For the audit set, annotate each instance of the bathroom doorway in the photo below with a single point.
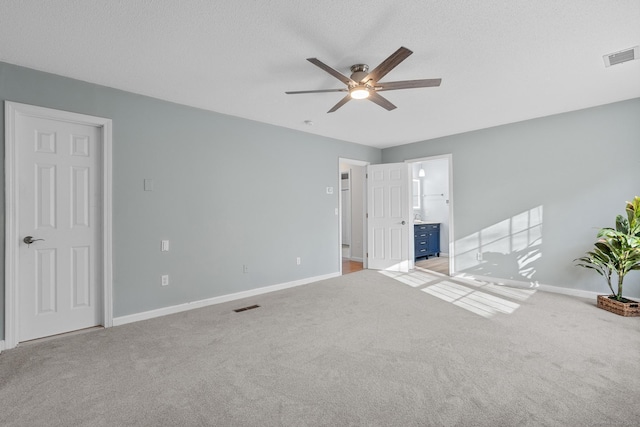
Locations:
(432, 195)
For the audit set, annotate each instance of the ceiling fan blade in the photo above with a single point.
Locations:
(337, 74)
(383, 102)
(387, 65)
(408, 84)
(340, 104)
(315, 91)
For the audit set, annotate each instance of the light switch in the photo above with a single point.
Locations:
(148, 185)
(329, 190)
(164, 247)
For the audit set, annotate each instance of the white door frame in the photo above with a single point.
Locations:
(364, 210)
(11, 279)
(449, 157)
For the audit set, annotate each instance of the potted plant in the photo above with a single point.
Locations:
(617, 250)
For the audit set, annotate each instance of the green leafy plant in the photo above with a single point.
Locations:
(617, 250)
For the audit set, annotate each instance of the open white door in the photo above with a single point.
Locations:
(58, 228)
(389, 223)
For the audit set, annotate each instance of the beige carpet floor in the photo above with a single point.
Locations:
(364, 349)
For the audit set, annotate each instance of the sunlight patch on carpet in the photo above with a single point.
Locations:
(413, 278)
(520, 294)
(483, 298)
(477, 302)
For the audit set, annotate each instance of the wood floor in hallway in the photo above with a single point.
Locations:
(349, 266)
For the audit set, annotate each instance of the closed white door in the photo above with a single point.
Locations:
(58, 167)
(389, 222)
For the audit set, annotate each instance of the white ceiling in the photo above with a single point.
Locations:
(500, 61)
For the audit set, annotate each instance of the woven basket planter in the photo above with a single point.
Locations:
(628, 308)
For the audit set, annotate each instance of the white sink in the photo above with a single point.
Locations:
(420, 222)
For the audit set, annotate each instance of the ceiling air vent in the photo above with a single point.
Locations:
(622, 56)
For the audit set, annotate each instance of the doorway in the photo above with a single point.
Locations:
(432, 201)
(58, 222)
(352, 213)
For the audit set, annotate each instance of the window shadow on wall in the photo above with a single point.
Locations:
(508, 249)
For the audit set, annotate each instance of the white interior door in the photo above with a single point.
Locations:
(389, 222)
(58, 167)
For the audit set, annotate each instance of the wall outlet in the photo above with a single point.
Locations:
(479, 256)
(164, 246)
(298, 261)
(165, 280)
(245, 268)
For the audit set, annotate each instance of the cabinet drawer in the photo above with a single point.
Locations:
(426, 227)
(420, 252)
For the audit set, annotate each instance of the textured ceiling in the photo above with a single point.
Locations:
(500, 61)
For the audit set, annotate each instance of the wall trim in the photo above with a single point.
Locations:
(581, 293)
(1, 345)
(355, 258)
(145, 315)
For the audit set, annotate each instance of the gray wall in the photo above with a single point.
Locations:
(531, 195)
(228, 192)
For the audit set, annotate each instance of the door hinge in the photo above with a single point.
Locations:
(367, 215)
(367, 254)
(366, 175)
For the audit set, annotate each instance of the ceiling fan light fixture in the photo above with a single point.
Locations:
(364, 84)
(359, 92)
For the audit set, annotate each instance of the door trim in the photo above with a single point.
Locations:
(11, 279)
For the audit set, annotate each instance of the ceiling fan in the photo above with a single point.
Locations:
(365, 85)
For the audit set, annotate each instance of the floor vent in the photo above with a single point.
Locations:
(251, 307)
(622, 56)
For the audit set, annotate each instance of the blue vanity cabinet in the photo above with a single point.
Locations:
(426, 240)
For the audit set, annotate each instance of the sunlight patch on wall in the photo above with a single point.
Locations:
(507, 249)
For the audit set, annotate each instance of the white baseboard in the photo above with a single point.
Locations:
(1, 345)
(123, 320)
(356, 259)
(530, 285)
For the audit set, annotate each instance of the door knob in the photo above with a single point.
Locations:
(29, 240)
(403, 222)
